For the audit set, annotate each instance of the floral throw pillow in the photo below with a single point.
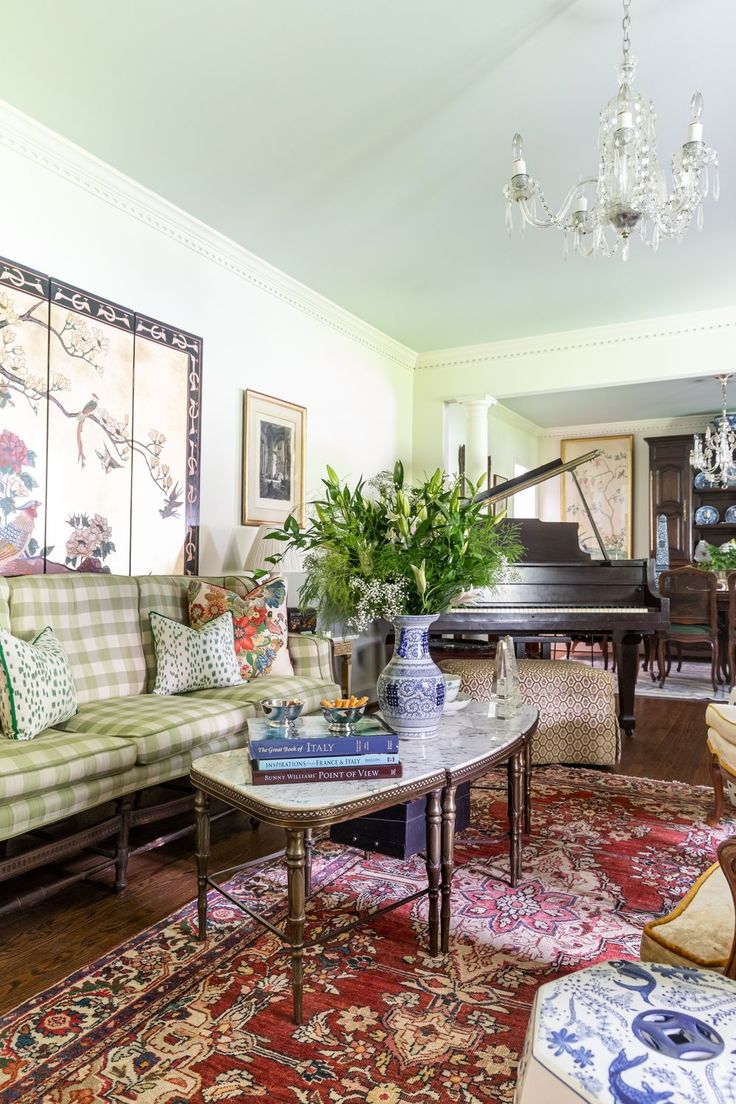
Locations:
(259, 621)
(187, 659)
(37, 689)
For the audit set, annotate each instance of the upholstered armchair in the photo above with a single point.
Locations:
(720, 718)
(701, 930)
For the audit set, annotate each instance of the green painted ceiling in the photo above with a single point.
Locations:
(361, 145)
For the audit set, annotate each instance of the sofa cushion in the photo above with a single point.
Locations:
(194, 659)
(166, 594)
(36, 685)
(310, 690)
(55, 759)
(160, 726)
(96, 619)
(259, 621)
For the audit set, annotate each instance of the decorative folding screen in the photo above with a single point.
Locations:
(99, 433)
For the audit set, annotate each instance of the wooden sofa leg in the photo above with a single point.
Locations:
(718, 797)
(125, 808)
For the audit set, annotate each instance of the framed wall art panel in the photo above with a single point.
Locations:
(24, 395)
(274, 438)
(99, 433)
(607, 483)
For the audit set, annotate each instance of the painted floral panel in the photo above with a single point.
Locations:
(607, 484)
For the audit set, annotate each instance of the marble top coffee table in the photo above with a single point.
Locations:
(468, 744)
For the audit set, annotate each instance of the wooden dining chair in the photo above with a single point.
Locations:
(693, 615)
(729, 659)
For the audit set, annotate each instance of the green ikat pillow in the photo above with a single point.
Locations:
(37, 688)
(194, 659)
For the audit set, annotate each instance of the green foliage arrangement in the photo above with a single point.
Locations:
(388, 547)
(720, 558)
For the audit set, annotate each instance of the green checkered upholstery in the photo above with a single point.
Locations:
(96, 619)
(311, 656)
(310, 690)
(159, 725)
(54, 759)
(166, 594)
(4, 603)
(23, 814)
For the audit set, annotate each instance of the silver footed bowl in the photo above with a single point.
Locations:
(280, 712)
(342, 720)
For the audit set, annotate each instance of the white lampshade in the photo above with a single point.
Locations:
(263, 547)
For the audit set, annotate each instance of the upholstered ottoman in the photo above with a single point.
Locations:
(578, 722)
(624, 1033)
(721, 721)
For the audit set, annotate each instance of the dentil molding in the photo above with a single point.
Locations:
(30, 139)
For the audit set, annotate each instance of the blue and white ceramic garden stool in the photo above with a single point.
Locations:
(631, 1033)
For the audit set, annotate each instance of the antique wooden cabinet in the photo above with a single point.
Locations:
(671, 494)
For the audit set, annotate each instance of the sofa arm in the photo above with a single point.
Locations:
(312, 656)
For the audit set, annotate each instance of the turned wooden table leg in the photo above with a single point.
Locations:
(434, 826)
(308, 849)
(202, 852)
(718, 795)
(528, 785)
(516, 797)
(447, 862)
(295, 865)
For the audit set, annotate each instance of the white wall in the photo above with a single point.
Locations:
(69, 215)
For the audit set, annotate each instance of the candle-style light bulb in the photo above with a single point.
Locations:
(696, 108)
(518, 167)
(695, 130)
(623, 99)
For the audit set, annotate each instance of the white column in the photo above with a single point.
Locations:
(476, 434)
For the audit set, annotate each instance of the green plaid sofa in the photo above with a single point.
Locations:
(125, 739)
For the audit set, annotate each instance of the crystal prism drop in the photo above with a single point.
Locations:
(509, 219)
(699, 217)
(565, 246)
(625, 250)
(716, 181)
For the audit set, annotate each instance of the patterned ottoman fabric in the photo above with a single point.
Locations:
(577, 707)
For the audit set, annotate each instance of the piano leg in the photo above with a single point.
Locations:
(627, 644)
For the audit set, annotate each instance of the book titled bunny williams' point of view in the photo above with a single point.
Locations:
(309, 752)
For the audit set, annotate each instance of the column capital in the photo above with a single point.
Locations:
(476, 400)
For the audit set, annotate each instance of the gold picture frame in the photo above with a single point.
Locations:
(607, 483)
(274, 439)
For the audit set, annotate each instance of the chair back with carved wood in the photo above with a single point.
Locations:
(692, 594)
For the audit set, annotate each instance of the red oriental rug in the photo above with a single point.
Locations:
(166, 1020)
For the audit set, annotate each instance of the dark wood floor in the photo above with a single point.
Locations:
(44, 944)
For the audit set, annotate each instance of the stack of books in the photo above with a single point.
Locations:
(309, 752)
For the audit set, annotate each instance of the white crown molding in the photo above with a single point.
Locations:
(656, 426)
(32, 140)
(648, 329)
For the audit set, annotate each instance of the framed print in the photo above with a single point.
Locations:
(274, 433)
(502, 504)
(607, 485)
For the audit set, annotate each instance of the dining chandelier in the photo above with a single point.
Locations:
(629, 193)
(714, 454)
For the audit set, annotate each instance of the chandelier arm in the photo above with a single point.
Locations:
(553, 219)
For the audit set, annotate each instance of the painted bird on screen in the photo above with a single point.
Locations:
(88, 408)
(15, 534)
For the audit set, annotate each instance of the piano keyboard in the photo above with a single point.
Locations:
(551, 609)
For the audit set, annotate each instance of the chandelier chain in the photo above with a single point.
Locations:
(626, 23)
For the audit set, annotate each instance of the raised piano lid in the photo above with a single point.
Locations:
(533, 477)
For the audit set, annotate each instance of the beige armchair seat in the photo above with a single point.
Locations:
(720, 718)
(701, 930)
(578, 722)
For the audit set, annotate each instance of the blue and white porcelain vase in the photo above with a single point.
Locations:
(411, 687)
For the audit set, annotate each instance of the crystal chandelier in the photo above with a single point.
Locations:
(600, 212)
(715, 457)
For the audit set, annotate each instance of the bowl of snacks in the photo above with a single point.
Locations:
(281, 712)
(343, 714)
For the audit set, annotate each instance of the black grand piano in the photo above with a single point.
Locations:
(557, 587)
